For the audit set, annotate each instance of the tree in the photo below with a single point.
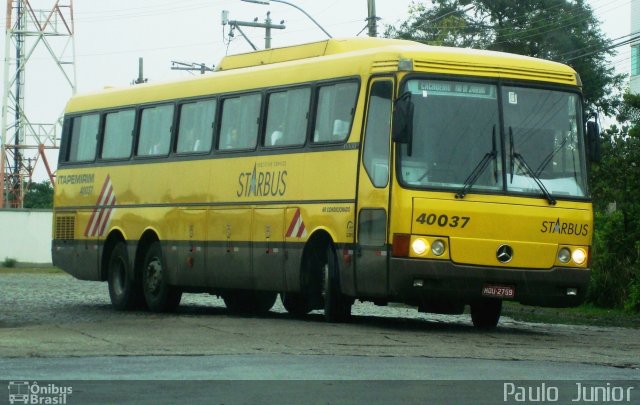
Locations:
(560, 30)
(615, 181)
(39, 195)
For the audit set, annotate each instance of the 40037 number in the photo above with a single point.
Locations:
(443, 220)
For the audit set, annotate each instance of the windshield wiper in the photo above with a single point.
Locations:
(545, 162)
(517, 158)
(480, 168)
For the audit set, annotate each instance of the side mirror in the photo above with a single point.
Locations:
(402, 131)
(593, 141)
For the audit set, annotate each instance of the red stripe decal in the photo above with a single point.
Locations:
(292, 225)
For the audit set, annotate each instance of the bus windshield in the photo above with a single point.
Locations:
(460, 143)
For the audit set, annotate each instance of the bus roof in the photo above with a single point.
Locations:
(328, 59)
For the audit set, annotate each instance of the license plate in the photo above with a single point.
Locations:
(498, 291)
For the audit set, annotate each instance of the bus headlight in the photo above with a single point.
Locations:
(564, 255)
(437, 248)
(419, 246)
(579, 256)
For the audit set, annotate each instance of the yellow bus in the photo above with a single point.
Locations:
(371, 169)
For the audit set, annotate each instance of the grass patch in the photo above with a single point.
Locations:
(586, 314)
(31, 270)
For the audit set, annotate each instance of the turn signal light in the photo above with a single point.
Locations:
(401, 242)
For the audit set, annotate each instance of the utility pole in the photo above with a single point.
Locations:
(372, 19)
(141, 79)
(267, 25)
(25, 142)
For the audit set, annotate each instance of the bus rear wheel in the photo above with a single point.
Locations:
(249, 302)
(337, 307)
(160, 296)
(485, 314)
(124, 293)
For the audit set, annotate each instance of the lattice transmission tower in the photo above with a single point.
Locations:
(34, 39)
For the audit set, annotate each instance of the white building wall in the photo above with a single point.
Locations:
(25, 235)
(635, 29)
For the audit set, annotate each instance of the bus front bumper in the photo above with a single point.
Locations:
(418, 280)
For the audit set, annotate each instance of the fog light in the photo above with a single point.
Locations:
(572, 292)
(437, 248)
(579, 256)
(564, 255)
(419, 246)
(418, 283)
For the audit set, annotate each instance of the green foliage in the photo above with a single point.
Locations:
(560, 30)
(9, 262)
(39, 195)
(612, 264)
(615, 181)
(632, 303)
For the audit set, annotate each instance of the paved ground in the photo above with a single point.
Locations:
(56, 328)
(58, 316)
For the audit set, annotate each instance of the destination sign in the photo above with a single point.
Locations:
(427, 88)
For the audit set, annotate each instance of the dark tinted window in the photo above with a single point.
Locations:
(84, 138)
(195, 132)
(118, 134)
(336, 105)
(287, 117)
(155, 131)
(240, 120)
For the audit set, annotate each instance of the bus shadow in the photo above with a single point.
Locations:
(454, 324)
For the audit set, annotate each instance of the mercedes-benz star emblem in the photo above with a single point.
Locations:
(504, 253)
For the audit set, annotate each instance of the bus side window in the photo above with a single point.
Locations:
(155, 131)
(195, 132)
(240, 120)
(336, 104)
(287, 118)
(376, 144)
(84, 138)
(118, 134)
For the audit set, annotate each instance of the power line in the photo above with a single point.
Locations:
(589, 47)
(606, 48)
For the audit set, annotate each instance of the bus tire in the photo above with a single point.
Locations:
(337, 307)
(249, 302)
(160, 296)
(124, 293)
(485, 313)
(295, 304)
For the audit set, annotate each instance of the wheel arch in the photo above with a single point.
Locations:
(115, 236)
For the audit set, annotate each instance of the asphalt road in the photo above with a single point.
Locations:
(53, 327)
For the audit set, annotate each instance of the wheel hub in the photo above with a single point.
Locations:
(154, 275)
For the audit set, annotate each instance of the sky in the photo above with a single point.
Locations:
(111, 35)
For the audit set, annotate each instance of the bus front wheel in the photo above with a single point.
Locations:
(295, 303)
(124, 293)
(248, 302)
(485, 314)
(160, 296)
(337, 307)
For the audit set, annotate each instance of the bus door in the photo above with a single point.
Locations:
(371, 254)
